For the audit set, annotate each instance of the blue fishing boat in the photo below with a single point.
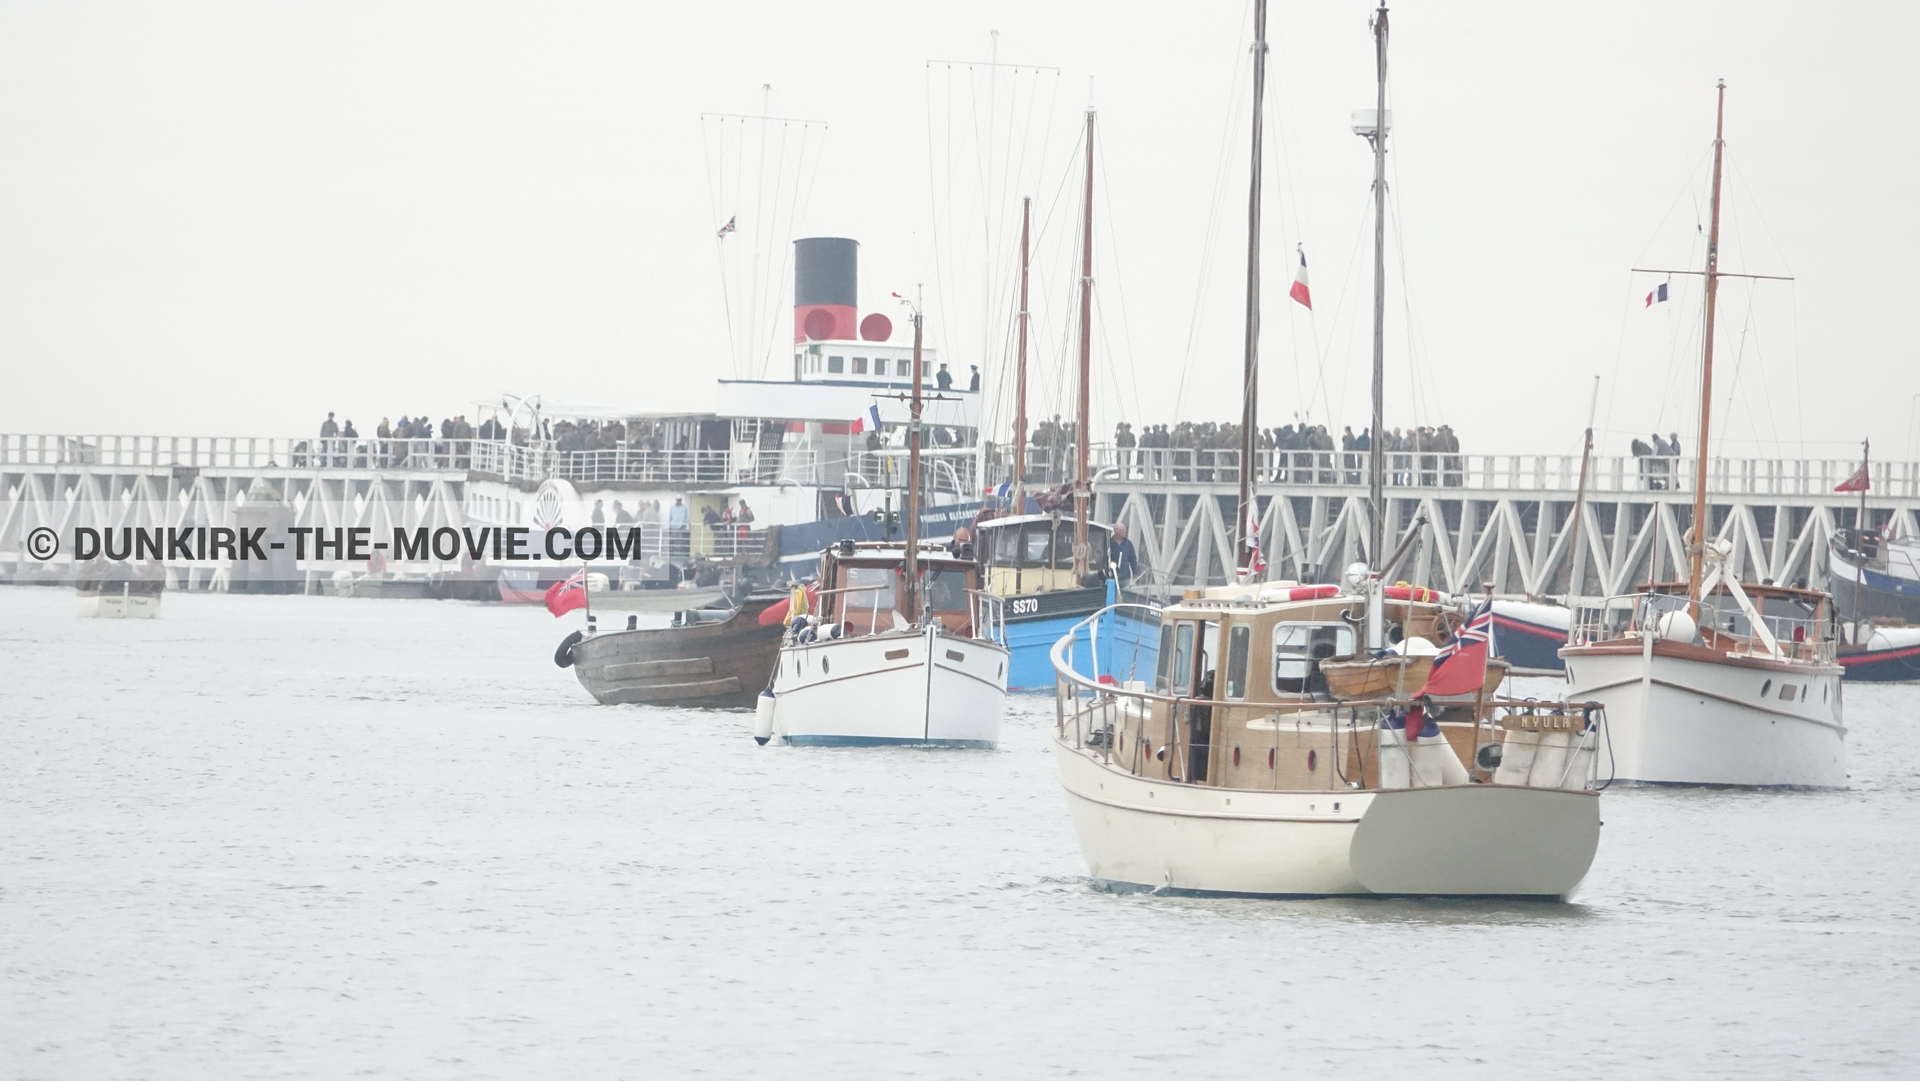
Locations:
(1030, 566)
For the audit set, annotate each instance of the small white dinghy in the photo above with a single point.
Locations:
(113, 589)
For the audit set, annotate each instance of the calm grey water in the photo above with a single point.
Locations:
(306, 837)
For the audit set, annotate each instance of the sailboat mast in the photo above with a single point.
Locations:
(1699, 546)
(913, 474)
(1247, 520)
(1376, 440)
(1577, 574)
(1020, 368)
(1082, 487)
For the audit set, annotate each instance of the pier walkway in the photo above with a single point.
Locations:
(1504, 519)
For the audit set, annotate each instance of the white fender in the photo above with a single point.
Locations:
(763, 718)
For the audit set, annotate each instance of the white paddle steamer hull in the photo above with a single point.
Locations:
(1477, 840)
(916, 687)
(1681, 720)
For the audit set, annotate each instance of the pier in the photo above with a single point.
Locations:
(1504, 519)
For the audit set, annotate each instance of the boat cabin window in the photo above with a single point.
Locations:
(1182, 681)
(1239, 639)
(836, 365)
(1297, 647)
(1791, 619)
(1043, 544)
(947, 590)
(855, 577)
(1164, 661)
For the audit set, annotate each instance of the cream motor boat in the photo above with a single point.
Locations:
(882, 664)
(1262, 784)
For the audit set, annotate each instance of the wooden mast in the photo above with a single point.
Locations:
(1699, 546)
(1247, 520)
(1082, 486)
(1376, 440)
(913, 475)
(1020, 380)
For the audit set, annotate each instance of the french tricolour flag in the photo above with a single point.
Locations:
(1658, 296)
(1299, 291)
(868, 421)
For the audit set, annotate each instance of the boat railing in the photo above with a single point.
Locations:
(1090, 711)
(539, 459)
(1722, 626)
(1417, 468)
(989, 616)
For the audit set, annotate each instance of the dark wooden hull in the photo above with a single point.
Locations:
(720, 665)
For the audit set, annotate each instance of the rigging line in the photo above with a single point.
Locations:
(1000, 296)
(739, 165)
(1419, 357)
(983, 165)
(762, 332)
(1290, 206)
(1799, 401)
(1113, 261)
(1687, 188)
(720, 251)
(933, 182)
(1734, 208)
(1339, 306)
(1242, 75)
(762, 233)
(795, 203)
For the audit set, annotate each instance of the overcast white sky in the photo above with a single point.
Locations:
(230, 218)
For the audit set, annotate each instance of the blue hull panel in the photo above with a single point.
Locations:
(1882, 665)
(1128, 648)
(1527, 645)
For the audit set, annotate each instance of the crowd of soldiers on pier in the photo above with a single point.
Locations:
(1659, 461)
(1299, 453)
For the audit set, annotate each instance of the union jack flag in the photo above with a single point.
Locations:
(1479, 628)
(728, 228)
(1472, 645)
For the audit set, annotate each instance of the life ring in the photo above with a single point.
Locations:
(564, 655)
(1418, 594)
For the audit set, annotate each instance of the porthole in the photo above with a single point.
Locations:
(1765, 687)
(1269, 758)
(823, 666)
(1003, 671)
(1313, 761)
(1236, 756)
(1824, 688)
